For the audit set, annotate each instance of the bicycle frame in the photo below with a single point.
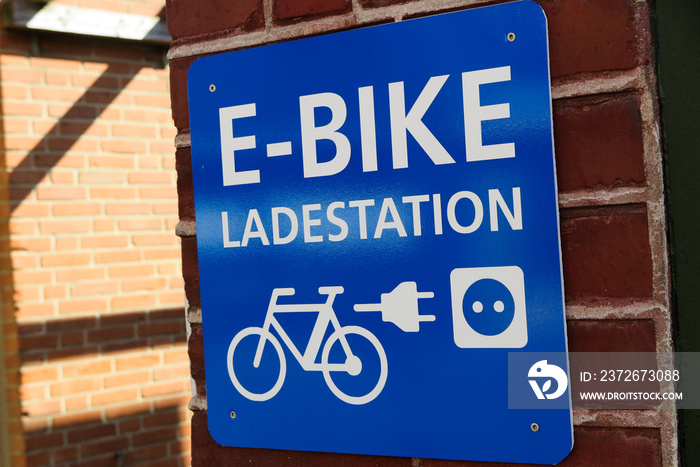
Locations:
(326, 317)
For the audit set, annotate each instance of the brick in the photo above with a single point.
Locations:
(94, 288)
(127, 379)
(56, 227)
(115, 162)
(127, 208)
(112, 397)
(67, 243)
(138, 361)
(122, 318)
(111, 334)
(92, 367)
(65, 259)
(178, 85)
(162, 389)
(43, 440)
(606, 253)
(30, 244)
(83, 305)
(127, 426)
(60, 193)
(38, 342)
(104, 241)
(592, 36)
(612, 336)
(74, 386)
(21, 108)
(143, 284)
(140, 224)
(187, 18)
(151, 329)
(76, 419)
(80, 274)
(154, 436)
(76, 209)
(172, 372)
(132, 301)
(36, 374)
(60, 177)
(290, 9)
(147, 453)
(113, 193)
(65, 454)
(40, 409)
(119, 272)
(129, 409)
(134, 131)
(72, 338)
(117, 256)
(124, 146)
(104, 225)
(38, 459)
(108, 445)
(82, 435)
(164, 192)
(72, 353)
(102, 177)
(160, 178)
(598, 143)
(154, 239)
(73, 323)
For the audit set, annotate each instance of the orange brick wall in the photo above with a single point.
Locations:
(92, 291)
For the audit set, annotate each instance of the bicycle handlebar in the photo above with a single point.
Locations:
(283, 292)
(331, 290)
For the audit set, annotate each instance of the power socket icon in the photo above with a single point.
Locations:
(488, 307)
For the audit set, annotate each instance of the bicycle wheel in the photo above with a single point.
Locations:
(256, 394)
(359, 370)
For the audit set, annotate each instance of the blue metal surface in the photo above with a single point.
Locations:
(436, 258)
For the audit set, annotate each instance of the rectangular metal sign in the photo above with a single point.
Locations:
(378, 241)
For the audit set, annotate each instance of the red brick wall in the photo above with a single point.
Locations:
(92, 291)
(611, 194)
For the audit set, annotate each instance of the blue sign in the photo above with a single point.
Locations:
(377, 231)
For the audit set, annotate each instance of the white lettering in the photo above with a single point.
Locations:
(514, 218)
(310, 133)
(259, 232)
(293, 230)
(402, 122)
(415, 203)
(228, 243)
(231, 144)
(309, 222)
(333, 219)
(452, 215)
(475, 113)
(361, 206)
(388, 206)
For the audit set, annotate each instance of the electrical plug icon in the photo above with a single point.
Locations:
(400, 306)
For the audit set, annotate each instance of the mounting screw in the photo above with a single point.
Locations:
(212, 88)
(511, 36)
(535, 427)
(233, 414)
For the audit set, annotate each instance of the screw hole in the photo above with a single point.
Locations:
(212, 88)
(511, 36)
(535, 427)
(233, 414)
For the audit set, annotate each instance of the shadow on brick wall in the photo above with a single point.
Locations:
(119, 387)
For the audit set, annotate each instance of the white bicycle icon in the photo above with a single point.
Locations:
(352, 364)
